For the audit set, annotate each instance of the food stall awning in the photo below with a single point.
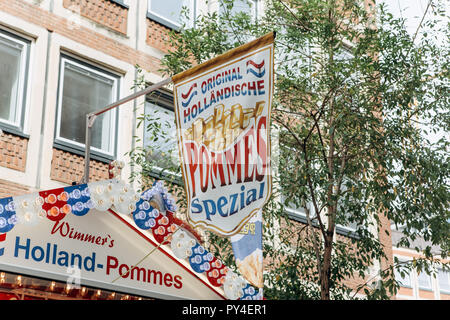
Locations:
(76, 234)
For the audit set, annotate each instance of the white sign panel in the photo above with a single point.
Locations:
(223, 119)
(103, 248)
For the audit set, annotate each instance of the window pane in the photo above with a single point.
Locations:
(245, 6)
(424, 281)
(444, 280)
(168, 9)
(405, 281)
(10, 57)
(85, 92)
(163, 141)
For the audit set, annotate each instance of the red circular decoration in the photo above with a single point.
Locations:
(55, 203)
(163, 227)
(216, 275)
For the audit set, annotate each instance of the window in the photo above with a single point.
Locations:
(346, 221)
(444, 281)
(424, 280)
(404, 277)
(84, 88)
(246, 6)
(14, 52)
(169, 12)
(290, 162)
(160, 132)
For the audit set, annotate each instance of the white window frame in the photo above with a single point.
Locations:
(300, 214)
(113, 113)
(414, 277)
(441, 290)
(410, 273)
(255, 9)
(192, 6)
(20, 99)
(430, 281)
(175, 177)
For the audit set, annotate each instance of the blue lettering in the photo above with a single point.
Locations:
(196, 204)
(233, 208)
(242, 197)
(26, 248)
(63, 260)
(209, 211)
(92, 262)
(251, 196)
(261, 190)
(38, 254)
(72, 258)
(220, 204)
(41, 253)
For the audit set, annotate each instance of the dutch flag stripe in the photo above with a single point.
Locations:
(189, 95)
(2, 238)
(184, 96)
(256, 69)
(256, 65)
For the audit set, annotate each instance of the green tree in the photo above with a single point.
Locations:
(355, 97)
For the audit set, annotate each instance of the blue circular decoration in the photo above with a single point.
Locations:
(200, 259)
(249, 293)
(8, 217)
(144, 216)
(79, 199)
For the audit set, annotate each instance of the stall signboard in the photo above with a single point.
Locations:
(101, 249)
(223, 118)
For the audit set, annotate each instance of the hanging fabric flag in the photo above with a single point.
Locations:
(222, 111)
(247, 248)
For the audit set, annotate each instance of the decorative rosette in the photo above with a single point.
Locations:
(8, 218)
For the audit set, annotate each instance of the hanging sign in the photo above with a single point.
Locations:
(223, 119)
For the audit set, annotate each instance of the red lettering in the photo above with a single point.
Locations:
(186, 112)
(156, 275)
(217, 165)
(261, 147)
(59, 228)
(78, 236)
(168, 280)
(192, 160)
(124, 274)
(234, 163)
(243, 90)
(109, 265)
(178, 284)
(260, 85)
(143, 275)
(248, 146)
(204, 165)
(252, 86)
(138, 272)
(89, 238)
(66, 231)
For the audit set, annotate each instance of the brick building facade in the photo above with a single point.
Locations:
(109, 36)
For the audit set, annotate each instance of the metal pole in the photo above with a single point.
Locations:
(87, 151)
(90, 119)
